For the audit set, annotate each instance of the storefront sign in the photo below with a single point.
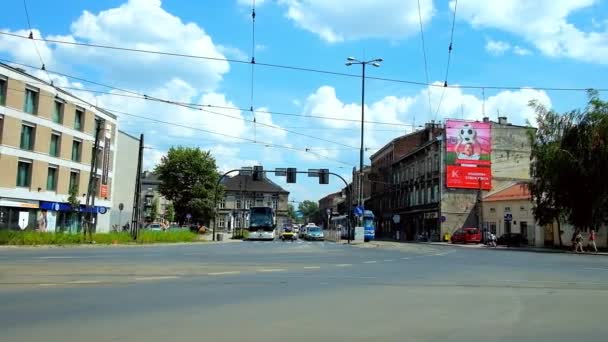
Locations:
(105, 170)
(58, 206)
(103, 190)
(24, 219)
(18, 203)
(468, 150)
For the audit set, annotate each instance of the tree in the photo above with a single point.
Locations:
(154, 209)
(170, 213)
(291, 212)
(188, 178)
(310, 210)
(569, 164)
(74, 201)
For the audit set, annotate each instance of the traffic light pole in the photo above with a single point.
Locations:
(219, 181)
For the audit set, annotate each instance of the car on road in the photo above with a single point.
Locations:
(466, 235)
(155, 227)
(512, 239)
(287, 233)
(302, 232)
(296, 229)
(314, 233)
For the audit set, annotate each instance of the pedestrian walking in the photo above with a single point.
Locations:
(573, 240)
(578, 240)
(591, 243)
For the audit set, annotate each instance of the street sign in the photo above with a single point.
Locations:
(358, 210)
(396, 218)
(246, 171)
(508, 217)
(188, 216)
(313, 172)
(280, 172)
(443, 218)
(121, 206)
(328, 211)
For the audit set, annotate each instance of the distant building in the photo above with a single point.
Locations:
(330, 203)
(149, 192)
(47, 140)
(242, 193)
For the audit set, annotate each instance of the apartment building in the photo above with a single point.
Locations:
(46, 144)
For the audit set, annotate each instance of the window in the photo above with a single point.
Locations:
(24, 173)
(31, 100)
(436, 191)
(259, 202)
(222, 204)
(428, 195)
(51, 178)
(2, 91)
(275, 204)
(221, 222)
(76, 148)
(74, 180)
(55, 145)
(57, 116)
(78, 119)
(238, 204)
(522, 208)
(492, 210)
(248, 204)
(507, 209)
(27, 137)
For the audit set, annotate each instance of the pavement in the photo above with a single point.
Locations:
(299, 291)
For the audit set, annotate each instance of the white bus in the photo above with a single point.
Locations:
(262, 224)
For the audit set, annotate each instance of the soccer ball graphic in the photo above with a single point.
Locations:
(467, 134)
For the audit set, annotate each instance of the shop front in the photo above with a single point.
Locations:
(18, 214)
(62, 218)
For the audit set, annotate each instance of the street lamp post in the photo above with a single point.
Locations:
(375, 62)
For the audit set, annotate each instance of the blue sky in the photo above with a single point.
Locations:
(514, 43)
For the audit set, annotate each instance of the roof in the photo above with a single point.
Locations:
(390, 143)
(418, 149)
(517, 191)
(23, 72)
(246, 183)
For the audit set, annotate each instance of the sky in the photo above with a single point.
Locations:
(308, 119)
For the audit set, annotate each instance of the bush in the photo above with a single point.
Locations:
(36, 238)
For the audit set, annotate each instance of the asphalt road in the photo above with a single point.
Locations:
(282, 291)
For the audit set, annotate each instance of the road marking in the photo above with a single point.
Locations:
(223, 273)
(84, 282)
(388, 260)
(405, 258)
(311, 267)
(370, 262)
(271, 270)
(156, 278)
(343, 265)
(596, 268)
(47, 284)
(59, 257)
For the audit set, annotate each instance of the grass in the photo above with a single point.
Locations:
(145, 237)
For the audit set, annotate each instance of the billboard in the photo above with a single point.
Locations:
(468, 149)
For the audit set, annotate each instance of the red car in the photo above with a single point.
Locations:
(466, 235)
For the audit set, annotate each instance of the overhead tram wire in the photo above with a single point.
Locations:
(305, 69)
(31, 36)
(253, 68)
(447, 68)
(426, 69)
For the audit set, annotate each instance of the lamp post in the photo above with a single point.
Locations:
(374, 62)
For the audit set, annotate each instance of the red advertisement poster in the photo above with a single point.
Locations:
(467, 158)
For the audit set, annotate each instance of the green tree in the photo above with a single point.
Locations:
(154, 209)
(188, 178)
(170, 213)
(310, 210)
(74, 205)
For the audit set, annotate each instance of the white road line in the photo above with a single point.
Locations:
(59, 257)
(370, 262)
(388, 260)
(84, 282)
(223, 273)
(156, 278)
(596, 268)
(47, 284)
(343, 265)
(311, 267)
(405, 258)
(271, 270)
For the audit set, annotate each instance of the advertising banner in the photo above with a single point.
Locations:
(468, 149)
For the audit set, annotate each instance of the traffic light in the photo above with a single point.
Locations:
(291, 175)
(323, 176)
(258, 173)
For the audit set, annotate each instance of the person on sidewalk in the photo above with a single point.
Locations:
(578, 240)
(573, 240)
(591, 243)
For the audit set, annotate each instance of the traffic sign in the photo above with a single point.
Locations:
(328, 211)
(396, 218)
(121, 206)
(358, 210)
(188, 216)
(508, 217)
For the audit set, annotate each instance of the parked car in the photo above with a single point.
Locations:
(302, 233)
(512, 239)
(296, 229)
(288, 234)
(466, 235)
(155, 227)
(314, 233)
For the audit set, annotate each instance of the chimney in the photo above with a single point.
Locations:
(502, 120)
(486, 119)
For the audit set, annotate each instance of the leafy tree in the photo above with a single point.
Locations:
(74, 203)
(188, 178)
(310, 210)
(170, 213)
(154, 209)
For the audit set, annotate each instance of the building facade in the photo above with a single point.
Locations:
(151, 197)
(125, 179)
(46, 146)
(241, 192)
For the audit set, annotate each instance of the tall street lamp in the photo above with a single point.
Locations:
(375, 62)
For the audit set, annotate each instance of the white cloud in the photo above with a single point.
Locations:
(343, 20)
(24, 51)
(260, 47)
(518, 50)
(233, 52)
(497, 47)
(152, 157)
(250, 2)
(543, 23)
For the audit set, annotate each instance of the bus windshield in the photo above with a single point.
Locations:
(261, 218)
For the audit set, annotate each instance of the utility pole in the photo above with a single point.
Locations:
(480, 216)
(135, 218)
(92, 188)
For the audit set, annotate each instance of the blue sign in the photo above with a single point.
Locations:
(508, 217)
(359, 210)
(58, 206)
(188, 216)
